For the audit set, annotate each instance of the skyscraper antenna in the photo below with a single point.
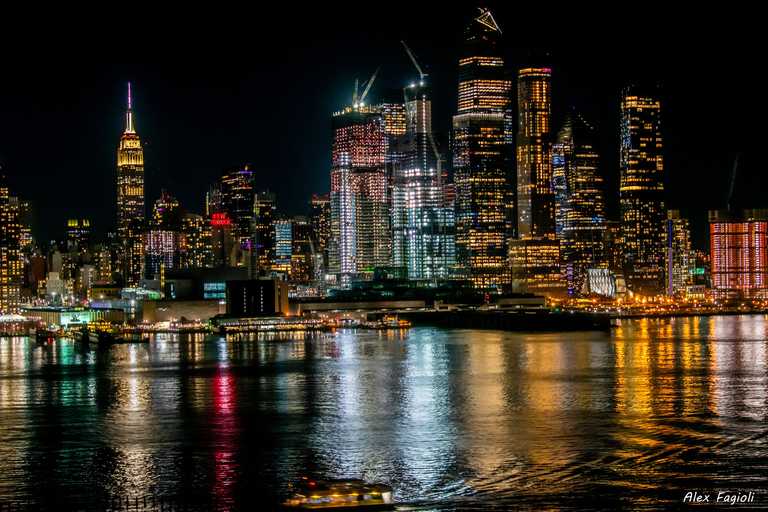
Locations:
(129, 95)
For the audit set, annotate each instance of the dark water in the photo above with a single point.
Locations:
(453, 419)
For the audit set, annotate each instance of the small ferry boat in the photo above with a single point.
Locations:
(339, 493)
(393, 322)
(42, 335)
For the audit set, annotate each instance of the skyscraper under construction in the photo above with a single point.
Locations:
(422, 216)
(359, 208)
(482, 135)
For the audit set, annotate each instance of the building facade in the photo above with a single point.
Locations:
(641, 190)
(482, 131)
(739, 251)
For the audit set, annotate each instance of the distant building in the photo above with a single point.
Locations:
(680, 259)
(257, 297)
(739, 251)
(10, 260)
(130, 175)
(264, 241)
(237, 196)
(642, 190)
(78, 235)
(320, 224)
(482, 138)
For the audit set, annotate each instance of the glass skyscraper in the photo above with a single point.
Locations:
(579, 201)
(422, 219)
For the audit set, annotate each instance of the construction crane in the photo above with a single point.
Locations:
(359, 101)
(732, 181)
(412, 55)
(432, 141)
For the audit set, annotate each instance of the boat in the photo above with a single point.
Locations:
(42, 334)
(82, 335)
(340, 493)
(392, 322)
(132, 337)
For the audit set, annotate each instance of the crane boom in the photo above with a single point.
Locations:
(370, 83)
(412, 55)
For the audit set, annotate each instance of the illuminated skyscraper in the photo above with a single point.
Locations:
(10, 260)
(320, 223)
(130, 175)
(237, 199)
(641, 190)
(535, 198)
(164, 242)
(739, 244)
(264, 234)
(423, 234)
(482, 135)
(680, 259)
(535, 255)
(579, 203)
(359, 209)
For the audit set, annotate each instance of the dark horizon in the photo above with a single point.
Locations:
(215, 92)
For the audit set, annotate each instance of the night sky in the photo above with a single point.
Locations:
(214, 89)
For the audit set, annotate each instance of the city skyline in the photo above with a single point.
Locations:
(208, 99)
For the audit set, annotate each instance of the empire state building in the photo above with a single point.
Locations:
(130, 175)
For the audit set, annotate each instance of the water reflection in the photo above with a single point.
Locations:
(456, 419)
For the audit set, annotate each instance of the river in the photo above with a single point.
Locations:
(634, 418)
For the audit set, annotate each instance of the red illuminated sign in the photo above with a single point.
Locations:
(219, 219)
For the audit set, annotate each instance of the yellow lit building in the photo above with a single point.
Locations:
(10, 260)
(535, 255)
(482, 131)
(130, 174)
(641, 191)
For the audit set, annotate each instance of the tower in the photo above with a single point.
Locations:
(130, 175)
(535, 255)
(482, 134)
(680, 259)
(422, 220)
(237, 199)
(10, 260)
(359, 209)
(579, 202)
(641, 190)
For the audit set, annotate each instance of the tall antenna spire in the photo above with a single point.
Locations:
(129, 114)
